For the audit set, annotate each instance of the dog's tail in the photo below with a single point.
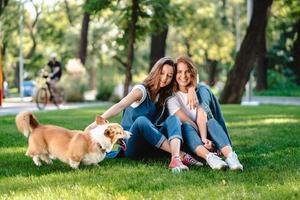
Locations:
(26, 122)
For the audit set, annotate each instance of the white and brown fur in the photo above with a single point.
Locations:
(47, 142)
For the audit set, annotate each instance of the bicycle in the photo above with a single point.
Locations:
(46, 93)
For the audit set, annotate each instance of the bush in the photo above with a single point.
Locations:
(74, 87)
(74, 82)
(280, 85)
(107, 81)
(104, 91)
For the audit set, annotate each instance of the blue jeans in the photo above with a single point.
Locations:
(145, 136)
(211, 106)
(215, 133)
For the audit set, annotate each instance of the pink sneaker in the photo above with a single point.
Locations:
(176, 165)
(190, 161)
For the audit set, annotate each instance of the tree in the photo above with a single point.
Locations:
(159, 23)
(84, 37)
(3, 4)
(32, 30)
(295, 65)
(247, 55)
(131, 31)
(262, 65)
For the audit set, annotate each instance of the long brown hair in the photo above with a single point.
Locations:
(153, 79)
(192, 69)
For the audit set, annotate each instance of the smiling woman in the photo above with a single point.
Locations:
(205, 120)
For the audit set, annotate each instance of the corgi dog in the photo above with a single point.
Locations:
(48, 142)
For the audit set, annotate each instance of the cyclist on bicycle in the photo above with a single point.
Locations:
(55, 71)
(55, 67)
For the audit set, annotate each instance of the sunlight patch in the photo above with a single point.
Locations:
(13, 150)
(265, 121)
(280, 121)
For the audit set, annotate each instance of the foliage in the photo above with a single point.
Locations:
(105, 91)
(280, 85)
(265, 138)
(206, 30)
(74, 87)
(192, 33)
(282, 34)
(106, 83)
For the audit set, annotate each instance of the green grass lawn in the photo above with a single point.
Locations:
(266, 138)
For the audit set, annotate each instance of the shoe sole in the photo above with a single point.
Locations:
(236, 169)
(176, 170)
(223, 167)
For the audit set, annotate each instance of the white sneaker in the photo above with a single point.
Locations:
(215, 162)
(233, 162)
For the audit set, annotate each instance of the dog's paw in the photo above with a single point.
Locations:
(74, 164)
(37, 161)
(49, 162)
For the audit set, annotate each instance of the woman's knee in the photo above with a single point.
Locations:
(139, 124)
(187, 127)
(172, 120)
(141, 120)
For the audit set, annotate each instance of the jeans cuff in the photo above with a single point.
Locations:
(219, 147)
(159, 143)
(175, 136)
(194, 150)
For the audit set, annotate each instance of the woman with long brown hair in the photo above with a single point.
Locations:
(144, 117)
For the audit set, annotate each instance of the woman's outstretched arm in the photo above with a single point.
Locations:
(134, 96)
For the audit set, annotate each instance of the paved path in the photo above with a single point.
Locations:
(14, 106)
(273, 100)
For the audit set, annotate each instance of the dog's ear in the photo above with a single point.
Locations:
(109, 133)
(128, 134)
(100, 120)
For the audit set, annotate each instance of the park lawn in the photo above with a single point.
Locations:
(266, 138)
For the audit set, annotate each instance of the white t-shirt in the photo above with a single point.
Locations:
(144, 92)
(179, 101)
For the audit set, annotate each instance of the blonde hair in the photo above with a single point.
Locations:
(153, 79)
(191, 67)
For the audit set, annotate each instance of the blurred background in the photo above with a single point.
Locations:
(107, 46)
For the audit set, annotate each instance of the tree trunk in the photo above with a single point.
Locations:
(3, 3)
(158, 46)
(33, 47)
(188, 47)
(211, 68)
(82, 54)
(1, 74)
(212, 71)
(262, 66)
(68, 12)
(247, 56)
(295, 65)
(130, 53)
(32, 32)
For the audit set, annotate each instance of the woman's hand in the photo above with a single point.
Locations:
(192, 98)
